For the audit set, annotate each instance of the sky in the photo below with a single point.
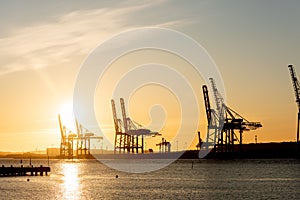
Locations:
(44, 44)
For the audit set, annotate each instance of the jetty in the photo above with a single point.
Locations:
(23, 171)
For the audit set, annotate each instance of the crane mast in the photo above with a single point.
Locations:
(220, 105)
(297, 95)
(213, 128)
(218, 97)
(63, 143)
(66, 144)
(124, 115)
(62, 132)
(113, 105)
(207, 103)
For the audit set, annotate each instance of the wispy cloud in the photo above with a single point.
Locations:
(72, 34)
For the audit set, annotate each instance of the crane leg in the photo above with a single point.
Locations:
(199, 140)
(241, 141)
(297, 139)
(298, 127)
(142, 144)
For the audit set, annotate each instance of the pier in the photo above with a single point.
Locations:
(23, 171)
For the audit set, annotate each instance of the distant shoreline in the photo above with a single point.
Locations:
(249, 151)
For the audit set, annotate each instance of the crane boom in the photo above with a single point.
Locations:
(113, 106)
(295, 84)
(297, 95)
(247, 125)
(218, 97)
(124, 115)
(207, 103)
(61, 128)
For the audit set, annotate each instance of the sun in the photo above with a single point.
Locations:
(67, 115)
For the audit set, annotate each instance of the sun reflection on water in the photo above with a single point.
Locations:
(70, 186)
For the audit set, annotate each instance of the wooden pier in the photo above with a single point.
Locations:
(23, 171)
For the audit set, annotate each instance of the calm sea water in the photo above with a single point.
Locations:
(184, 179)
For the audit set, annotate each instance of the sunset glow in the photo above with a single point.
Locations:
(67, 115)
(42, 50)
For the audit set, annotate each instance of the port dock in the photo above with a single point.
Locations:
(23, 171)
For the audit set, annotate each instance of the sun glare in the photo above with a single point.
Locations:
(70, 186)
(67, 116)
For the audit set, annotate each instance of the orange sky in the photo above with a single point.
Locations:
(42, 47)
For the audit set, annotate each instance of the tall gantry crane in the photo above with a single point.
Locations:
(131, 135)
(67, 139)
(123, 141)
(82, 139)
(222, 123)
(297, 95)
(214, 128)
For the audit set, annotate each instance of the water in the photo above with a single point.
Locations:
(184, 179)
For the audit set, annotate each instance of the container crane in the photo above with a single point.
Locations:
(66, 144)
(123, 141)
(83, 139)
(164, 146)
(297, 95)
(137, 131)
(213, 122)
(131, 135)
(63, 143)
(222, 123)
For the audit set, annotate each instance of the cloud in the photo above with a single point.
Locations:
(72, 34)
